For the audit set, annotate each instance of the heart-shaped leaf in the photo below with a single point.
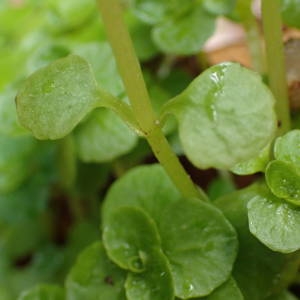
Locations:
(221, 114)
(54, 99)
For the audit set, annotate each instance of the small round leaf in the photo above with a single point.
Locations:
(129, 236)
(274, 222)
(54, 99)
(221, 115)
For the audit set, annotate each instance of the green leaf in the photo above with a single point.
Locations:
(284, 181)
(53, 100)
(287, 148)
(102, 61)
(221, 114)
(141, 37)
(94, 276)
(154, 283)
(200, 245)
(290, 11)
(14, 155)
(219, 7)
(103, 137)
(9, 124)
(43, 292)
(255, 164)
(69, 14)
(228, 290)
(185, 34)
(274, 222)
(129, 235)
(146, 187)
(285, 295)
(45, 55)
(259, 272)
(151, 11)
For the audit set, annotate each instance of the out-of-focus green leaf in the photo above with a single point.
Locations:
(290, 11)
(14, 155)
(219, 7)
(185, 34)
(103, 137)
(94, 276)
(43, 292)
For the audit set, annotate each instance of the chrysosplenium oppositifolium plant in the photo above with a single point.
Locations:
(84, 113)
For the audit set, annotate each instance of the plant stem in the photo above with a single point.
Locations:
(272, 25)
(135, 86)
(68, 172)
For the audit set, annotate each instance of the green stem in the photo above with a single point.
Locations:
(135, 86)
(272, 25)
(68, 172)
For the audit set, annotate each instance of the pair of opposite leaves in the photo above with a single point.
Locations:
(220, 114)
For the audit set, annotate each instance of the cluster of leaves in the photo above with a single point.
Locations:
(155, 243)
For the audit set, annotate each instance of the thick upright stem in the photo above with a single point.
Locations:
(135, 86)
(275, 61)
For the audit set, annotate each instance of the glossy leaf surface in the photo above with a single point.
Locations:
(103, 137)
(284, 181)
(274, 222)
(200, 245)
(287, 148)
(221, 114)
(53, 100)
(154, 283)
(94, 276)
(43, 292)
(129, 236)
